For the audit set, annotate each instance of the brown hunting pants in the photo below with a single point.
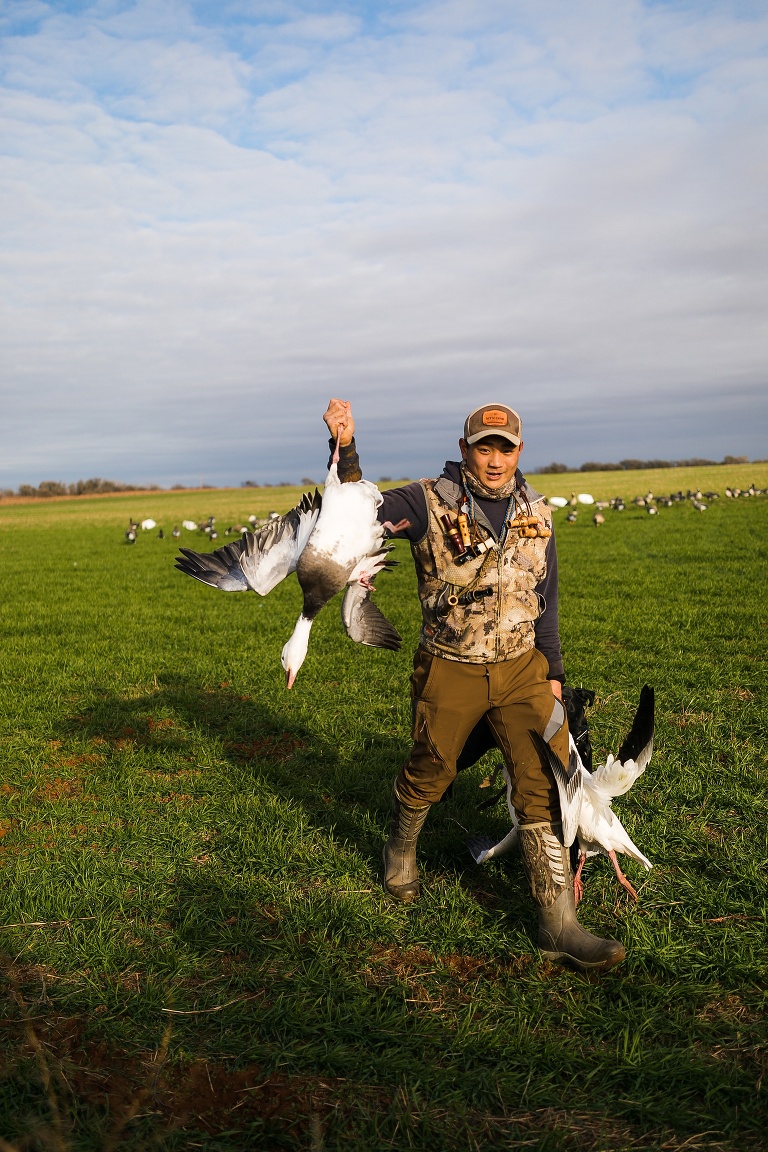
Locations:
(450, 697)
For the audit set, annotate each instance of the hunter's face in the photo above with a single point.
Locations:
(493, 460)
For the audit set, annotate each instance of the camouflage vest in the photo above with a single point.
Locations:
(498, 625)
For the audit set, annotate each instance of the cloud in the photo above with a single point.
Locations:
(220, 215)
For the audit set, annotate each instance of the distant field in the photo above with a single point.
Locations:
(234, 505)
(197, 951)
(661, 481)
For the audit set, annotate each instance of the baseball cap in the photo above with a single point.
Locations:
(493, 420)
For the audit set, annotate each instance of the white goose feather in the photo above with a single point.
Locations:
(586, 797)
(331, 542)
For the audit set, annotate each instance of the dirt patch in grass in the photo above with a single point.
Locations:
(686, 719)
(277, 748)
(59, 788)
(208, 1097)
(389, 964)
(730, 1009)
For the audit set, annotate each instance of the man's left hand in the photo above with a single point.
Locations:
(557, 688)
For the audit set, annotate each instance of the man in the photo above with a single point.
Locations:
(489, 653)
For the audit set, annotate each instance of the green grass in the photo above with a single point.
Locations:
(193, 837)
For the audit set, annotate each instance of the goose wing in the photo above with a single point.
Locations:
(260, 560)
(483, 848)
(638, 745)
(272, 553)
(364, 622)
(617, 776)
(221, 569)
(570, 784)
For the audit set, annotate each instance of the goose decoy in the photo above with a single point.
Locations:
(571, 517)
(148, 524)
(176, 532)
(331, 542)
(130, 535)
(189, 525)
(558, 501)
(161, 535)
(598, 519)
(585, 797)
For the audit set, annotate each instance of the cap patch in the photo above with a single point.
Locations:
(495, 418)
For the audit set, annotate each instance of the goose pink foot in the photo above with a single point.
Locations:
(578, 886)
(399, 527)
(335, 457)
(621, 877)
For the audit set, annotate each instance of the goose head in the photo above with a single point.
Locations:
(295, 650)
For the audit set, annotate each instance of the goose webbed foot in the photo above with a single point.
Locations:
(399, 527)
(578, 886)
(621, 877)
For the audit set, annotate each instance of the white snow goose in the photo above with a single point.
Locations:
(585, 797)
(331, 542)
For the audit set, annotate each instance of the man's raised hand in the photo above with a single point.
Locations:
(339, 415)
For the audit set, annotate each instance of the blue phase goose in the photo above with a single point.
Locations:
(331, 543)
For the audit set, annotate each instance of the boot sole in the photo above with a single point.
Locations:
(585, 965)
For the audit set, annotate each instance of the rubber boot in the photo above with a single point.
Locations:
(401, 875)
(561, 937)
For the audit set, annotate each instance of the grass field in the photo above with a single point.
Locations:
(197, 952)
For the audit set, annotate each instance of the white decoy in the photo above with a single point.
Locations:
(585, 797)
(189, 525)
(585, 498)
(331, 542)
(558, 501)
(148, 525)
(585, 800)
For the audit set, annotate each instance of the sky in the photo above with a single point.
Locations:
(216, 215)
